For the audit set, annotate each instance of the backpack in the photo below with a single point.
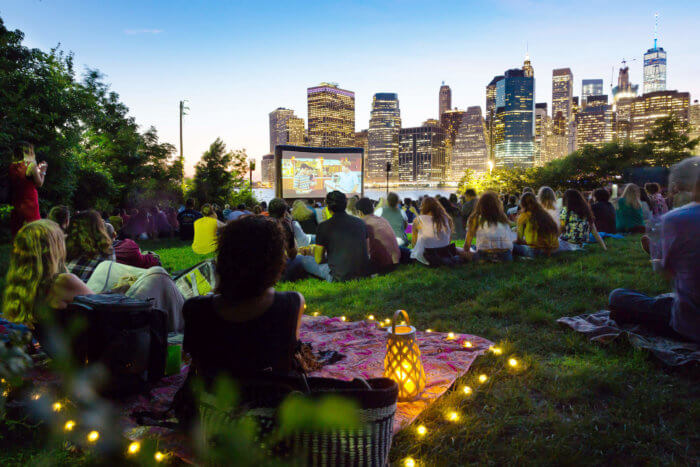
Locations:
(126, 335)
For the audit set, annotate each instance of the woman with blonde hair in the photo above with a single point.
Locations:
(629, 216)
(548, 199)
(37, 277)
(432, 231)
(305, 216)
(489, 225)
(87, 244)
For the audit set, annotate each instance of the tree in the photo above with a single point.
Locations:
(213, 178)
(670, 140)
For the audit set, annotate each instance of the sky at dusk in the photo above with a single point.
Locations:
(235, 61)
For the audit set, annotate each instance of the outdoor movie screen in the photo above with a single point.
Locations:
(314, 173)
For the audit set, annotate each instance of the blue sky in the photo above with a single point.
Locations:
(235, 61)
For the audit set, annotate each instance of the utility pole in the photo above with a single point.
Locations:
(388, 169)
(183, 111)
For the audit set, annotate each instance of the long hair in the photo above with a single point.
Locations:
(631, 196)
(574, 202)
(87, 236)
(547, 198)
(300, 212)
(352, 207)
(38, 255)
(489, 210)
(544, 224)
(434, 209)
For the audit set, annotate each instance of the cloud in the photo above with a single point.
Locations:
(132, 32)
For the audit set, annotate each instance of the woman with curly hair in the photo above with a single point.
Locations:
(538, 234)
(37, 279)
(87, 244)
(245, 326)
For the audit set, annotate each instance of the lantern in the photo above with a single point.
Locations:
(402, 362)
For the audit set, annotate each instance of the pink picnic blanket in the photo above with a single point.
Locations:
(364, 345)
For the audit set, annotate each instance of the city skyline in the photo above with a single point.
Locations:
(233, 100)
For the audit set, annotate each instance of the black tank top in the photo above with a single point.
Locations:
(240, 348)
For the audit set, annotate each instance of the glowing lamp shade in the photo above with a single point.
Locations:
(403, 363)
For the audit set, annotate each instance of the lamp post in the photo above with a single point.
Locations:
(388, 169)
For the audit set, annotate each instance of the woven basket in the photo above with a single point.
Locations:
(367, 445)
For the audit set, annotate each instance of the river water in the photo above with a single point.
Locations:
(266, 194)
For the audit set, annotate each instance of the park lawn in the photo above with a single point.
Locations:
(568, 401)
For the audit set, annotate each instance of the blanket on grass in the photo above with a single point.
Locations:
(363, 343)
(598, 327)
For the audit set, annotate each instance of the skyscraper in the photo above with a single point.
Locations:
(655, 65)
(590, 87)
(470, 144)
(331, 116)
(624, 89)
(450, 122)
(445, 99)
(267, 170)
(285, 128)
(542, 124)
(422, 154)
(562, 99)
(491, 113)
(594, 123)
(383, 137)
(648, 108)
(694, 119)
(527, 67)
(514, 120)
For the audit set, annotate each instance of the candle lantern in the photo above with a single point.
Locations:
(403, 362)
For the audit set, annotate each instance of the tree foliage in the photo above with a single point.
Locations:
(220, 176)
(97, 157)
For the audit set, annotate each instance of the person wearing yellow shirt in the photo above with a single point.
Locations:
(538, 234)
(205, 231)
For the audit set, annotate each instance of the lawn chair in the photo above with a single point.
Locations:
(197, 280)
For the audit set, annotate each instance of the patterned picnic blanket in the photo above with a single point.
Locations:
(363, 344)
(598, 327)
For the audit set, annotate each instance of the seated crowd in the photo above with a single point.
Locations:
(53, 261)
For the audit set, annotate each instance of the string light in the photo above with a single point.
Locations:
(421, 430)
(57, 406)
(450, 335)
(70, 424)
(134, 447)
(428, 330)
(387, 321)
(93, 436)
(483, 378)
(467, 390)
(36, 396)
(159, 456)
(409, 462)
(370, 317)
(512, 362)
(467, 344)
(316, 313)
(452, 416)
(5, 393)
(496, 350)
(342, 318)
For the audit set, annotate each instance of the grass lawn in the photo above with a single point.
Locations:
(568, 402)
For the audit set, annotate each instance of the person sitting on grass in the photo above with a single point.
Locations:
(186, 218)
(384, 253)
(432, 233)
(60, 215)
(344, 240)
(470, 200)
(205, 228)
(245, 327)
(305, 216)
(294, 266)
(538, 234)
(489, 225)
(657, 202)
(577, 222)
(396, 217)
(128, 252)
(603, 211)
(548, 199)
(629, 216)
(87, 244)
(675, 315)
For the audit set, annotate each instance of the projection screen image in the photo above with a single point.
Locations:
(313, 174)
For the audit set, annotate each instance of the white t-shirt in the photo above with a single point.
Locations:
(428, 237)
(347, 181)
(494, 237)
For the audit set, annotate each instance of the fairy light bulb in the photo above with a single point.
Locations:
(483, 378)
(70, 424)
(450, 335)
(409, 462)
(467, 344)
(159, 456)
(343, 318)
(370, 317)
(57, 406)
(428, 330)
(93, 436)
(421, 430)
(512, 362)
(467, 390)
(134, 447)
(452, 416)
(496, 350)
(315, 313)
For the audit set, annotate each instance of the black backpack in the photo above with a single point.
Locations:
(126, 335)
